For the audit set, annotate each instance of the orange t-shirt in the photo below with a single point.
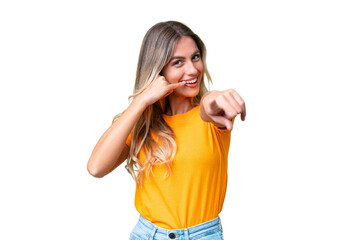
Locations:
(195, 191)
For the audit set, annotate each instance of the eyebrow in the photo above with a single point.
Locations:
(180, 57)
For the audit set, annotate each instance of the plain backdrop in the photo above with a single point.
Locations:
(67, 68)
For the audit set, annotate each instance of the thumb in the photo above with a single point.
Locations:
(173, 86)
(223, 121)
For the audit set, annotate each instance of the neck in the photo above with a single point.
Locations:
(178, 105)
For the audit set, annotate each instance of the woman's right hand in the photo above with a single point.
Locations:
(158, 89)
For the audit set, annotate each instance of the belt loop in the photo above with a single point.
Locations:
(152, 237)
(220, 223)
(186, 234)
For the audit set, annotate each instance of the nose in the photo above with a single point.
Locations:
(191, 69)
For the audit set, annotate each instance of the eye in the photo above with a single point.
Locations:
(177, 63)
(196, 57)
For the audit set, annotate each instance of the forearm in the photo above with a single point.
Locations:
(112, 143)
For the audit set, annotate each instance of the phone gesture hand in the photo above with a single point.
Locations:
(158, 89)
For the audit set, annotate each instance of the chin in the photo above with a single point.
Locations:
(192, 93)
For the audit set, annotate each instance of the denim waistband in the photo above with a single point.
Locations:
(185, 233)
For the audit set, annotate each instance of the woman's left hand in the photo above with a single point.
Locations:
(220, 107)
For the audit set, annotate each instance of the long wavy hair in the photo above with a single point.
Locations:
(151, 133)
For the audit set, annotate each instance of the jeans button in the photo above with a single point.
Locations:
(172, 235)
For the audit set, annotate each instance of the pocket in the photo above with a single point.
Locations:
(134, 237)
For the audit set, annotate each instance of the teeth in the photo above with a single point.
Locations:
(192, 81)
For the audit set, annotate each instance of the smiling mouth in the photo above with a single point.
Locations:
(190, 81)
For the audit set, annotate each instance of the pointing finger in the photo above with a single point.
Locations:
(214, 107)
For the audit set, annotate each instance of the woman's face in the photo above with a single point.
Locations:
(185, 65)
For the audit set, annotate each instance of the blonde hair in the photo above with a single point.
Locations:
(155, 53)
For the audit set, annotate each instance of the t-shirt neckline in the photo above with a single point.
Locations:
(181, 116)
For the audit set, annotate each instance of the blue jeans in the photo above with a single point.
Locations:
(145, 230)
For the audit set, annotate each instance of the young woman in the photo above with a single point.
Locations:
(175, 136)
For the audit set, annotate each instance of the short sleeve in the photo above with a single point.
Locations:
(221, 137)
